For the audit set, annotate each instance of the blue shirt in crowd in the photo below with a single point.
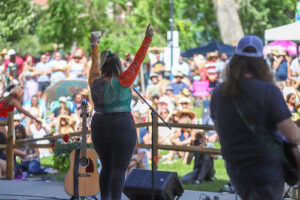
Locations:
(43, 67)
(177, 87)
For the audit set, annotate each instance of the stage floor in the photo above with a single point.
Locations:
(39, 190)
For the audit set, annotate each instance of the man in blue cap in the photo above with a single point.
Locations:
(247, 110)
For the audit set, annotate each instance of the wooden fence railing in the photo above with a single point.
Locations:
(10, 145)
(20, 143)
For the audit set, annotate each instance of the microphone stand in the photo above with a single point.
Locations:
(153, 113)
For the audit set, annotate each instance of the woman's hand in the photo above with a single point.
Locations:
(149, 32)
(94, 40)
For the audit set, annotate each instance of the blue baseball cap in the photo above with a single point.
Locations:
(250, 41)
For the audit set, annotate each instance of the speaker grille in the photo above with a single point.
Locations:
(166, 185)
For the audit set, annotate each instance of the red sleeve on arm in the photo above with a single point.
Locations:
(128, 77)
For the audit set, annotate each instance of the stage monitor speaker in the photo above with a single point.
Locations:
(138, 185)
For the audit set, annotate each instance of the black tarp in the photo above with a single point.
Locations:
(209, 47)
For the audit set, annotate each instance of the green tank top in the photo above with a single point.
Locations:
(110, 97)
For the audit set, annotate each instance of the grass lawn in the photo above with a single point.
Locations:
(177, 166)
(181, 169)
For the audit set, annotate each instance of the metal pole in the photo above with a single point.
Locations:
(171, 28)
(298, 44)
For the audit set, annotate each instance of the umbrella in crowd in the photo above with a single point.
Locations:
(209, 47)
(281, 45)
(65, 88)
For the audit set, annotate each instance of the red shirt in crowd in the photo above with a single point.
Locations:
(5, 109)
(19, 61)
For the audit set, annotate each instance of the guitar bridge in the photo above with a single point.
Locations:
(84, 175)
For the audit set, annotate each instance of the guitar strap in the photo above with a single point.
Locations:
(267, 141)
(76, 172)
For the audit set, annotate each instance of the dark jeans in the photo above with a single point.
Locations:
(33, 166)
(114, 137)
(203, 169)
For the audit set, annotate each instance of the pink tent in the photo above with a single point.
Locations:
(291, 47)
(201, 88)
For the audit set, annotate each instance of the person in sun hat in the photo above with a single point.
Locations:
(154, 88)
(178, 85)
(246, 107)
(2, 59)
(13, 66)
(75, 68)
(186, 113)
(280, 65)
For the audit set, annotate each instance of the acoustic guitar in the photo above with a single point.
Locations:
(82, 179)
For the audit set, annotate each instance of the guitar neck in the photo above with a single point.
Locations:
(84, 130)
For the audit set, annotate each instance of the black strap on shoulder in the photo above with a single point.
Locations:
(75, 172)
(264, 138)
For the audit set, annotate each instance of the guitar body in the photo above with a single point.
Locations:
(88, 176)
(292, 171)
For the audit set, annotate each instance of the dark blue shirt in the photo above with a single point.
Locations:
(143, 132)
(281, 72)
(246, 156)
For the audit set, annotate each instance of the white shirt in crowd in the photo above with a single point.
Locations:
(39, 134)
(295, 67)
(181, 67)
(59, 75)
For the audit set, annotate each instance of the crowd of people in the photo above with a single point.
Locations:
(170, 92)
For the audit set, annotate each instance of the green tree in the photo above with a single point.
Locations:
(258, 15)
(64, 22)
(17, 19)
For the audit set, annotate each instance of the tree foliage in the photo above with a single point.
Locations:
(17, 18)
(123, 22)
(259, 15)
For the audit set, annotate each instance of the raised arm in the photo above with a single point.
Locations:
(95, 70)
(128, 77)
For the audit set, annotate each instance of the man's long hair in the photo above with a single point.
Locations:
(241, 65)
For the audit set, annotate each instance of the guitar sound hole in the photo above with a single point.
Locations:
(83, 161)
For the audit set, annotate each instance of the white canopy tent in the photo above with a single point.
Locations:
(285, 32)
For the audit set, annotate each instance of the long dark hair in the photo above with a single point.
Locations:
(2, 138)
(11, 91)
(110, 65)
(288, 97)
(22, 130)
(241, 65)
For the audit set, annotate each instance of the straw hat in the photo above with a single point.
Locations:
(188, 112)
(211, 54)
(85, 92)
(179, 74)
(4, 51)
(185, 92)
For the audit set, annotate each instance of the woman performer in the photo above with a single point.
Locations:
(11, 98)
(113, 131)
